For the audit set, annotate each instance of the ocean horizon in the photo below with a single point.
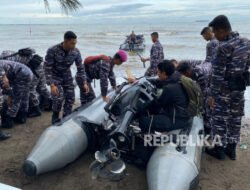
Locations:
(181, 40)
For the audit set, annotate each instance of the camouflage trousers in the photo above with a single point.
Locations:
(38, 87)
(66, 94)
(85, 98)
(151, 71)
(1, 107)
(207, 116)
(207, 113)
(20, 95)
(226, 116)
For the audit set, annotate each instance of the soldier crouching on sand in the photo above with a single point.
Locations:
(3, 84)
(38, 84)
(19, 77)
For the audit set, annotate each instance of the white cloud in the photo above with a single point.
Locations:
(49, 15)
(95, 10)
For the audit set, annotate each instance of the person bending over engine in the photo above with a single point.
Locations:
(170, 107)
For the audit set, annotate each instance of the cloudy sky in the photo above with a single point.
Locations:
(115, 11)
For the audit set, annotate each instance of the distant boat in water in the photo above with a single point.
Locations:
(134, 46)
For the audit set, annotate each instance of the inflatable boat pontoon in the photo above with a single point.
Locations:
(110, 129)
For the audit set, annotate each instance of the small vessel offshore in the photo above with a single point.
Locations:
(111, 130)
(139, 45)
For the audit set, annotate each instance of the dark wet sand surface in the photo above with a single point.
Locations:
(215, 175)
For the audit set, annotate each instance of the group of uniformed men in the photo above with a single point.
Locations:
(222, 76)
(23, 78)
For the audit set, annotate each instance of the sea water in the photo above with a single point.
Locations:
(180, 41)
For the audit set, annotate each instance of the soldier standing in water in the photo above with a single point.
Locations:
(156, 55)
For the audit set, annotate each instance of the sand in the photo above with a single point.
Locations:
(215, 175)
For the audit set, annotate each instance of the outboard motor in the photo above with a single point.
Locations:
(122, 109)
(130, 103)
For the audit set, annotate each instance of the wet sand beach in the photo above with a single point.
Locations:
(215, 175)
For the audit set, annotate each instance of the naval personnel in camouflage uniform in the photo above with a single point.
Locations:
(57, 71)
(156, 56)
(227, 87)
(38, 84)
(206, 70)
(102, 70)
(2, 74)
(192, 62)
(40, 88)
(20, 77)
(212, 44)
(21, 116)
(2, 135)
(201, 73)
(211, 49)
(232, 58)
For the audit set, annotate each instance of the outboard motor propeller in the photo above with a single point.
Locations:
(108, 164)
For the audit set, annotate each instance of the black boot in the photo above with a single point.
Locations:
(8, 122)
(217, 152)
(34, 112)
(21, 117)
(48, 106)
(231, 151)
(55, 118)
(4, 136)
(45, 104)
